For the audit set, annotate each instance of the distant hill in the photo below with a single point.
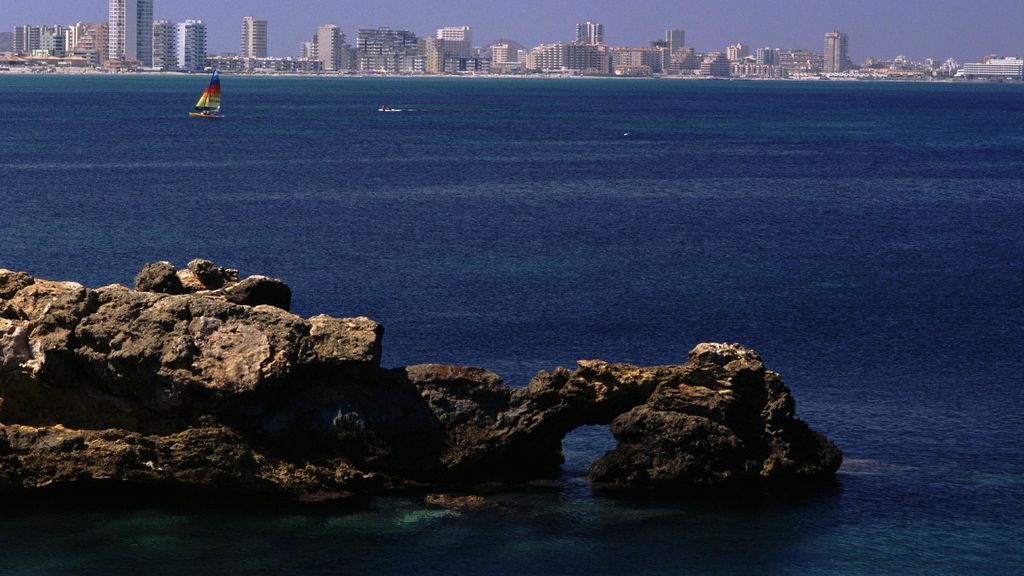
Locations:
(514, 44)
(6, 41)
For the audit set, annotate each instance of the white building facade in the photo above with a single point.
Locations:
(192, 45)
(254, 38)
(131, 31)
(1010, 68)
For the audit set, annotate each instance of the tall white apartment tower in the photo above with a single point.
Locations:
(458, 41)
(192, 45)
(836, 46)
(676, 39)
(131, 31)
(590, 33)
(331, 48)
(254, 38)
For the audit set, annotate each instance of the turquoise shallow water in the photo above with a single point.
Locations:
(865, 238)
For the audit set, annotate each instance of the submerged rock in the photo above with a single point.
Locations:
(220, 387)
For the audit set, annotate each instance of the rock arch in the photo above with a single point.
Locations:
(205, 390)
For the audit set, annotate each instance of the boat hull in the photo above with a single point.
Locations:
(204, 115)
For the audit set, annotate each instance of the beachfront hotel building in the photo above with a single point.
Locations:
(131, 31)
(192, 45)
(566, 57)
(254, 38)
(836, 52)
(994, 68)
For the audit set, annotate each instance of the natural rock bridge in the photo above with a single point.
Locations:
(197, 380)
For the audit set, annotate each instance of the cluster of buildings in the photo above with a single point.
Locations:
(132, 39)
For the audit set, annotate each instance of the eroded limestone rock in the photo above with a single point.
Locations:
(197, 390)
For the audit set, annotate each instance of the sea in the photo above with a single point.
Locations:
(866, 238)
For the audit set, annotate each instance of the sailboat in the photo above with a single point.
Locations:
(209, 103)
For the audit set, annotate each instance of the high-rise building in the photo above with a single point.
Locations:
(458, 41)
(54, 41)
(994, 67)
(504, 53)
(165, 45)
(664, 56)
(102, 41)
(82, 36)
(801, 60)
(576, 57)
(131, 31)
(331, 48)
(715, 64)
(76, 33)
(254, 38)
(836, 46)
(27, 38)
(767, 56)
(192, 45)
(676, 39)
(434, 59)
(737, 52)
(591, 33)
(685, 59)
(636, 61)
(383, 50)
(308, 50)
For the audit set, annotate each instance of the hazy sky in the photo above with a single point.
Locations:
(880, 28)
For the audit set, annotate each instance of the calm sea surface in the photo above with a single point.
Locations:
(867, 239)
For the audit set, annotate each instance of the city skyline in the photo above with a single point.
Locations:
(905, 29)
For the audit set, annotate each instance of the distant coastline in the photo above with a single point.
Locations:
(855, 79)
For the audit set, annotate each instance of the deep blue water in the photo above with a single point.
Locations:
(867, 239)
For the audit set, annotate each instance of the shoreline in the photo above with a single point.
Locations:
(93, 72)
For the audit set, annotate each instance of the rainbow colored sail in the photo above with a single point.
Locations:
(210, 100)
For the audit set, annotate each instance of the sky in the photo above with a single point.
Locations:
(877, 28)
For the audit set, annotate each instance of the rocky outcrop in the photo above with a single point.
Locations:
(720, 419)
(209, 383)
(206, 458)
(159, 277)
(205, 278)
